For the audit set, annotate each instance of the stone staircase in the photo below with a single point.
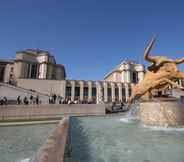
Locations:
(12, 92)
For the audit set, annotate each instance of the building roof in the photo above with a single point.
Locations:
(7, 61)
(35, 52)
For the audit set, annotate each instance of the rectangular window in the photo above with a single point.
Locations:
(135, 77)
(94, 92)
(34, 71)
(2, 70)
(116, 92)
(130, 92)
(77, 91)
(68, 91)
(109, 92)
(123, 92)
(86, 91)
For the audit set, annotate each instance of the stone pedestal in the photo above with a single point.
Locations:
(162, 113)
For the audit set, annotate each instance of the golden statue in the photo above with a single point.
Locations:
(162, 73)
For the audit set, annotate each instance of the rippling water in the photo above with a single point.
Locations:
(25, 160)
(119, 139)
(20, 143)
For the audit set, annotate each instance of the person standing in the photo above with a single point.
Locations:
(31, 99)
(5, 100)
(18, 100)
(37, 99)
(26, 102)
(54, 98)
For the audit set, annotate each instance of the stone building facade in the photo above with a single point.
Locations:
(31, 64)
(116, 86)
(6, 71)
(36, 70)
(126, 72)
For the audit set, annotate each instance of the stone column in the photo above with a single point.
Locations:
(81, 90)
(140, 75)
(63, 89)
(123, 76)
(180, 82)
(43, 71)
(98, 93)
(105, 91)
(120, 91)
(89, 90)
(113, 92)
(73, 90)
(6, 69)
(18, 70)
(126, 92)
(128, 79)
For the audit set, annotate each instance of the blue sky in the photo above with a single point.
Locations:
(90, 37)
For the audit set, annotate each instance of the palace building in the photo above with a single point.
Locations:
(31, 64)
(37, 70)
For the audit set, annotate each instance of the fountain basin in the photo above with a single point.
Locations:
(95, 139)
(162, 113)
(19, 143)
(119, 139)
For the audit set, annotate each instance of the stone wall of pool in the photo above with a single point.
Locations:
(32, 112)
(54, 148)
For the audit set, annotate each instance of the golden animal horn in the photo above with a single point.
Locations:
(179, 61)
(148, 49)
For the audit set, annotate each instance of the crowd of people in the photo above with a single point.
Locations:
(3, 101)
(20, 100)
(54, 99)
(28, 100)
(77, 101)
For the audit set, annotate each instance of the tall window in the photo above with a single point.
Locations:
(109, 92)
(85, 91)
(129, 91)
(77, 93)
(135, 77)
(123, 92)
(94, 92)
(116, 93)
(68, 91)
(2, 69)
(34, 70)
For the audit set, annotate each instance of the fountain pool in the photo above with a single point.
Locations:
(97, 139)
(20, 143)
(117, 139)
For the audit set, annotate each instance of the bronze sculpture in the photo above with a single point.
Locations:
(162, 73)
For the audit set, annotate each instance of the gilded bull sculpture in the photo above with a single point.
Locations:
(162, 73)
